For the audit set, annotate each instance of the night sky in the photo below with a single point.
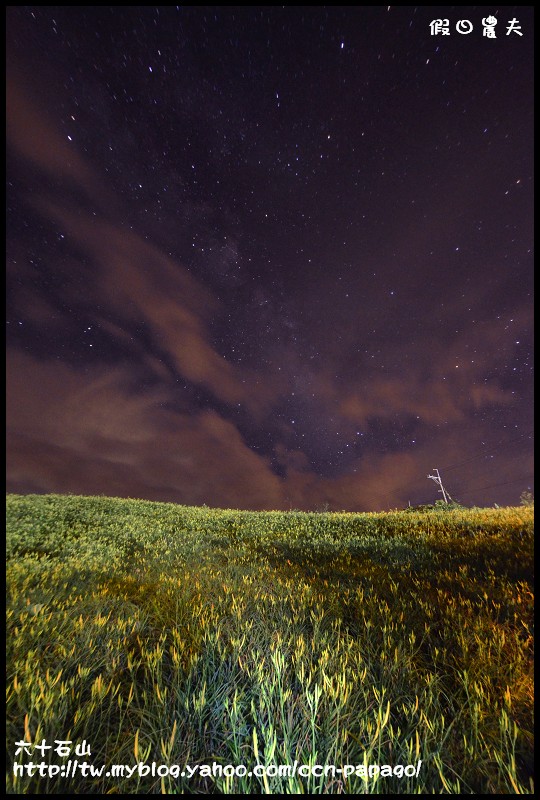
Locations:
(270, 257)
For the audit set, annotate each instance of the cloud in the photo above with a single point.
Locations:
(34, 137)
(95, 430)
(140, 284)
(134, 278)
(91, 433)
(433, 401)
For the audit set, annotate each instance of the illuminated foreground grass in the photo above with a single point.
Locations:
(178, 635)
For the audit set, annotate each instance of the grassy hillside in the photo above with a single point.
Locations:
(180, 635)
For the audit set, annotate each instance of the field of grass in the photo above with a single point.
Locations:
(182, 635)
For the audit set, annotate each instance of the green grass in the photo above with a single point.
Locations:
(178, 635)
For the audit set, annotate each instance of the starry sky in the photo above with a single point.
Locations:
(270, 257)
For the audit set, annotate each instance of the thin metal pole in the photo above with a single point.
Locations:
(438, 481)
(442, 487)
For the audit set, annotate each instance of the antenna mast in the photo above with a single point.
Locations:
(438, 481)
